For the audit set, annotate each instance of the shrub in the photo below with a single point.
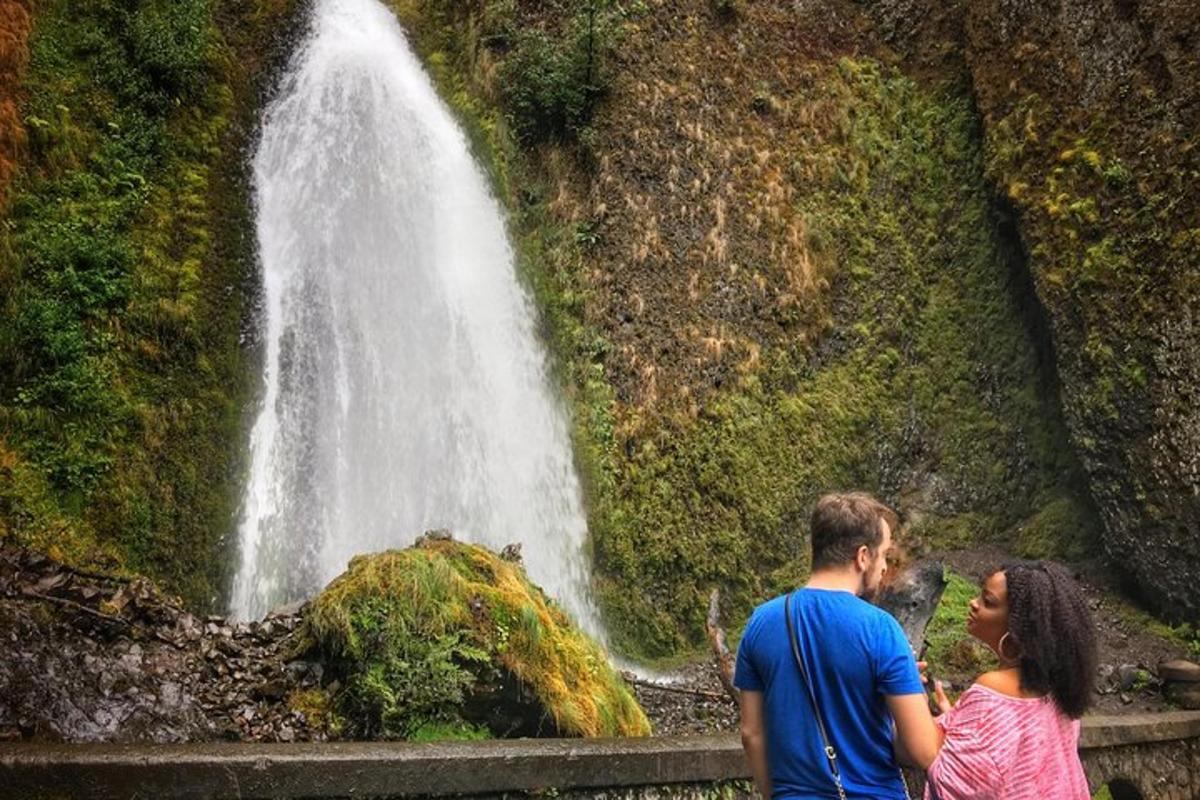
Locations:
(553, 80)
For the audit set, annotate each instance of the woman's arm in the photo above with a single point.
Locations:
(918, 738)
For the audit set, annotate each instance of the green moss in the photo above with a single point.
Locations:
(1059, 529)
(317, 707)
(455, 731)
(121, 376)
(1184, 636)
(953, 654)
(413, 632)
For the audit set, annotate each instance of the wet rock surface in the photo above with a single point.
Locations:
(91, 658)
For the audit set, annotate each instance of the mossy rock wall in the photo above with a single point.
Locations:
(1092, 120)
(769, 265)
(126, 275)
(448, 640)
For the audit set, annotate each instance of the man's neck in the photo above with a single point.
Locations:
(840, 579)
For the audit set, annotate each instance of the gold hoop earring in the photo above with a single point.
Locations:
(1000, 649)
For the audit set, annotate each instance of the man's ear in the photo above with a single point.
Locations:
(862, 559)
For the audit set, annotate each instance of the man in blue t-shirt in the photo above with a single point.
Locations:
(861, 668)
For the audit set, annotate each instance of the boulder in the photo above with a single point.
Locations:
(1179, 671)
(1184, 695)
(447, 639)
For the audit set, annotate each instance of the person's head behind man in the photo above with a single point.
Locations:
(852, 532)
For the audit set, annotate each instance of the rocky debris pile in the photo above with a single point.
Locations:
(457, 643)
(692, 700)
(94, 658)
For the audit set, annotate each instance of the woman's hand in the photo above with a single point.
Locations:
(939, 697)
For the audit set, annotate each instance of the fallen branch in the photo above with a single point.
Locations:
(674, 689)
(716, 639)
(62, 601)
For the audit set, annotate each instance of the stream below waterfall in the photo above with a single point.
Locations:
(403, 387)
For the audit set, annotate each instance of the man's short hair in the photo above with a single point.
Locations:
(845, 521)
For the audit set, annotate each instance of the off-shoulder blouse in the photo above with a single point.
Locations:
(999, 747)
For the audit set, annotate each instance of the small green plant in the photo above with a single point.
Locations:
(552, 80)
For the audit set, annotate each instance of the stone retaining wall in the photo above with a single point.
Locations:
(1152, 757)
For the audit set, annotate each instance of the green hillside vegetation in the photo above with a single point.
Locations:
(124, 284)
(759, 279)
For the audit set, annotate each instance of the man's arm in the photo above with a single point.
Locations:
(754, 740)
(918, 738)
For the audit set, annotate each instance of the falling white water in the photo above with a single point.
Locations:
(404, 386)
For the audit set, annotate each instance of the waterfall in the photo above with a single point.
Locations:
(404, 386)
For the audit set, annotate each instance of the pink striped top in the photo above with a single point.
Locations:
(1007, 748)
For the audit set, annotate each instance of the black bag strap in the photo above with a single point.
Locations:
(830, 752)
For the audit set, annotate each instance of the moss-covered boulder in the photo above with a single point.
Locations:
(448, 640)
(1092, 121)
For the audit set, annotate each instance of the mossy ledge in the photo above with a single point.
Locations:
(448, 640)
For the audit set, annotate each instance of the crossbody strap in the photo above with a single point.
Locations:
(830, 753)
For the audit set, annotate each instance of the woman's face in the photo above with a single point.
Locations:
(987, 620)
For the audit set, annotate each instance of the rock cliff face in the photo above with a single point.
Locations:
(1092, 118)
(770, 266)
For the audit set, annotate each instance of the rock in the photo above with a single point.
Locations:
(229, 647)
(1128, 675)
(367, 605)
(1106, 679)
(1179, 671)
(913, 597)
(275, 689)
(286, 610)
(170, 693)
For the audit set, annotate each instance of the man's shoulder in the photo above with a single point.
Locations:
(771, 610)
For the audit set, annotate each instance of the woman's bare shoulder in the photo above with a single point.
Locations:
(1004, 681)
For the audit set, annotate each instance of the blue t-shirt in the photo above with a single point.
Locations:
(855, 654)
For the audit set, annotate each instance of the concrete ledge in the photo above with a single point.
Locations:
(1100, 732)
(361, 768)
(356, 769)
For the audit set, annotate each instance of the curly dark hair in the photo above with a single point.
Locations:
(1049, 619)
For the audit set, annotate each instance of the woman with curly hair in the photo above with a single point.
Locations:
(1014, 733)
